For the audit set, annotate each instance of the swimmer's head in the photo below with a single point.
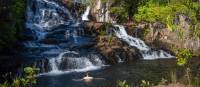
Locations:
(87, 73)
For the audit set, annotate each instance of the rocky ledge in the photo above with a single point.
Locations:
(112, 48)
(116, 51)
(158, 35)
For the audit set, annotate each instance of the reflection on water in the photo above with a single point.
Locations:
(134, 72)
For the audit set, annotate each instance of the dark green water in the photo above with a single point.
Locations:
(133, 72)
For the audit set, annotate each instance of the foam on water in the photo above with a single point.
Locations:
(90, 68)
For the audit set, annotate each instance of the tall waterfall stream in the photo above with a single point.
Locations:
(146, 51)
(50, 20)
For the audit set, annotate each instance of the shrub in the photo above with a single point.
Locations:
(123, 84)
(183, 55)
(28, 80)
(166, 11)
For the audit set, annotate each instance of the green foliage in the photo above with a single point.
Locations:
(197, 30)
(27, 81)
(145, 83)
(180, 35)
(152, 14)
(121, 13)
(123, 84)
(143, 33)
(160, 2)
(170, 23)
(103, 29)
(18, 9)
(125, 9)
(183, 55)
(89, 2)
(166, 10)
(12, 24)
(102, 32)
(110, 39)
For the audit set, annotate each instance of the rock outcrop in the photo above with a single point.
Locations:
(158, 36)
(112, 48)
(115, 50)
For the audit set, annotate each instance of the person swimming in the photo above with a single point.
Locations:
(87, 77)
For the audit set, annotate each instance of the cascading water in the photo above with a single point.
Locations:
(55, 32)
(44, 15)
(86, 13)
(71, 61)
(147, 52)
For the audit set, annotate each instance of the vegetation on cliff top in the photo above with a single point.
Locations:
(125, 9)
(166, 11)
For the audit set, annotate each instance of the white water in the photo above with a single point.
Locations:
(86, 13)
(31, 44)
(147, 52)
(54, 63)
(77, 64)
(44, 20)
(43, 15)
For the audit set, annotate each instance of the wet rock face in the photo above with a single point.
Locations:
(115, 51)
(75, 6)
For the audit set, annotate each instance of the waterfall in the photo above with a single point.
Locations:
(74, 63)
(54, 65)
(54, 32)
(147, 52)
(44, 15)
(86, 13)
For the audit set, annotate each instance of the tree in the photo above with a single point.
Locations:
(125, 9)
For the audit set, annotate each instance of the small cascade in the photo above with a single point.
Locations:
(71, 61)
(54, 62)
(53, 65)
(147, 52)
(86, 13)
